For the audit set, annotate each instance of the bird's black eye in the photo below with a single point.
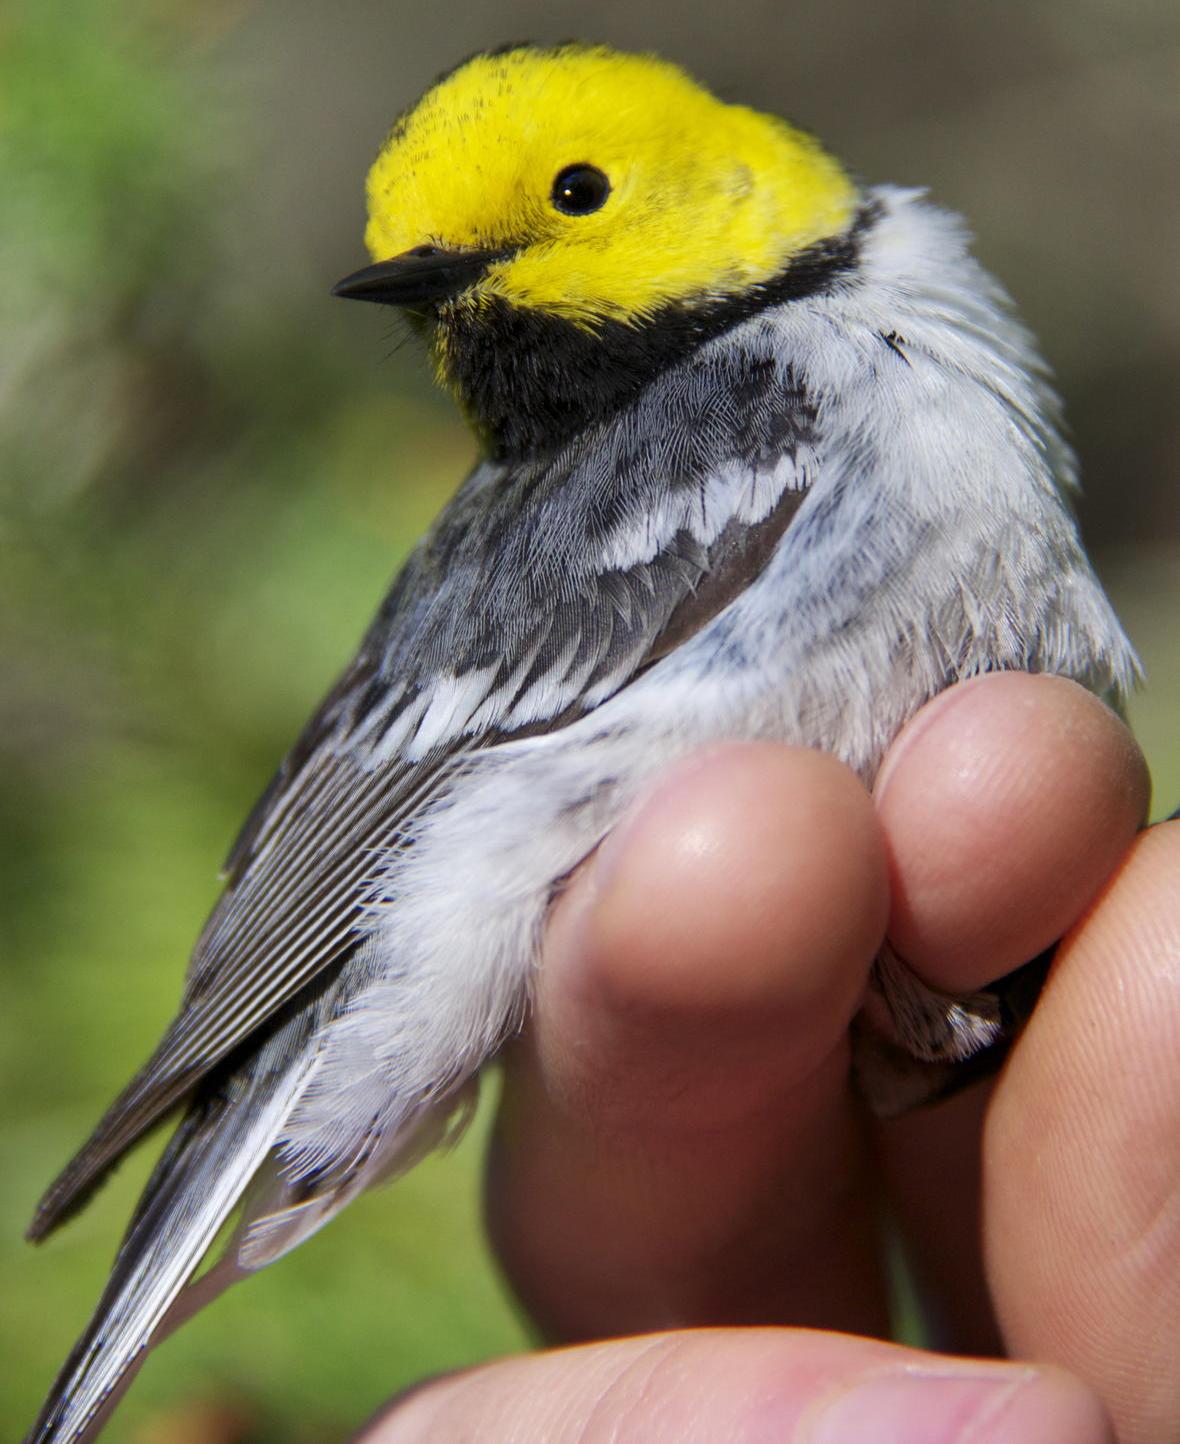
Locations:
(580, 189)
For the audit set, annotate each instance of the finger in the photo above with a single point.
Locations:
(677, 1142)
(750, 1384)
(1007, 802)
(1082, 1160)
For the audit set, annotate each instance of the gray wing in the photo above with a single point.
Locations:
(543, 589)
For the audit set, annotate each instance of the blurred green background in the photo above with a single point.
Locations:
(210, 470)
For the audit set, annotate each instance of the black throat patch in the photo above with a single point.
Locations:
(530, 381)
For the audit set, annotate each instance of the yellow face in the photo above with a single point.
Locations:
(699, 199)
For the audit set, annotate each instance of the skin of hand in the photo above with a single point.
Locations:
(679, 1151)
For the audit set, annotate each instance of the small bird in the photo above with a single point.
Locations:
(765, 454)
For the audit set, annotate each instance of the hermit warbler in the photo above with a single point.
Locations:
(765, 455)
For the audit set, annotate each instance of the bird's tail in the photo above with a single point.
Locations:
(219, 1146)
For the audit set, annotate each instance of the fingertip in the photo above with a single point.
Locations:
(1006, 804)
(748, 891)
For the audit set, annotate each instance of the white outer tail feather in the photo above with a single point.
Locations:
(150, 1301)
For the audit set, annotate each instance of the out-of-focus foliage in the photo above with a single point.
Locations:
(208, 472)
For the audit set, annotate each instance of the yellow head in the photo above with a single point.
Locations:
(704, 198)
(589, 188)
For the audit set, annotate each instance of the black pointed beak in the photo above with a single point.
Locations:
(418, 277)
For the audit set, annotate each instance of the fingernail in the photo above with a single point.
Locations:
(994, 1405)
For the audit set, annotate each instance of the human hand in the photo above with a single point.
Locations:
(679, 1146)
